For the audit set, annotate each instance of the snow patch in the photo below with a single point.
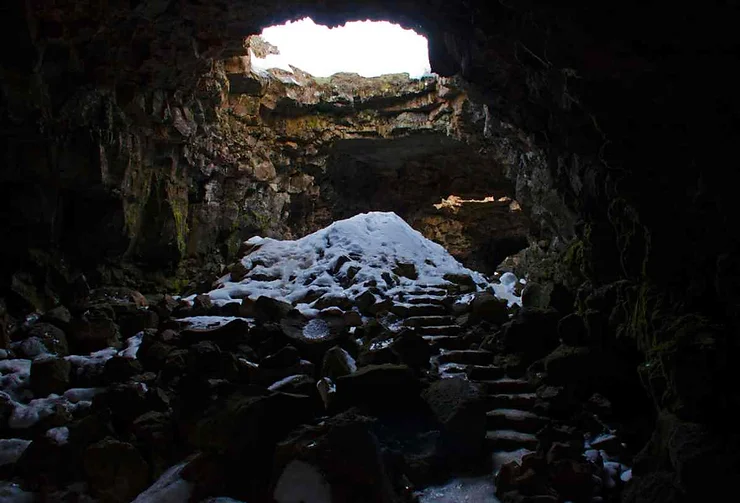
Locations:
(462, 490)
(210, 322)
(302, 483)
(169, 488)
(372, 242)
(132, 346)
(59, 435)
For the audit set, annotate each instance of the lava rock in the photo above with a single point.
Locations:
(268, 309)
(93, 331)
(240, 423)
(52, 337)
(487, 307)
(50, 375)
(379, 386)
(337, 363)
(339, 460)
(115, 471)
(458, 406)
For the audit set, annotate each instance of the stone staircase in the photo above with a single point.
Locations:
(510, 401)
(426, 310)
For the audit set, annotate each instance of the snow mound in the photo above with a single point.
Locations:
(342, 260)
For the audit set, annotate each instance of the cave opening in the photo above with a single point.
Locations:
(367, 48)
(147, 153)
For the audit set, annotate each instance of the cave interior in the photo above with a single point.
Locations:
(585, 150)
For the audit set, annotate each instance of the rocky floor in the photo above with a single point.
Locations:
(427, 389)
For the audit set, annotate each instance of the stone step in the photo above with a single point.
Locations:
(432, 291)
(500, 458)
(519, 401)
(507, 385)
(445, 342)
(451, 370)
(485, 372)
(428, 321)
(439, 330)
(509, 440)
(425, 300)
(412, 310)
(515, 420)
(466, 356)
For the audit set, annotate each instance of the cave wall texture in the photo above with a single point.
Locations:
(615, 123)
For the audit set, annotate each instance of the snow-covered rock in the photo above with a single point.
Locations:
(342, 260)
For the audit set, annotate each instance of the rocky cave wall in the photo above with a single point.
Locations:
(621, 114)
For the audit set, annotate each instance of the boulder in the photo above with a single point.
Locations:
(337, 363)
(52, 337)
(532, 333)
(385, 386)
(412, 350)
(93, 331)
(406, 270)
(457, 404)
(464, 282)
(226, 336)
(487, 307)
(119, 369)
(50, 375)
(242, 424)
(268, 309)
(340, 460)
(115, 471)
(59, 317)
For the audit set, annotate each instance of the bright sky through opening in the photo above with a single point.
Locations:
(364, 47)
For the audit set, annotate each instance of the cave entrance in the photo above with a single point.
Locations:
(368, 48)
(448, 190)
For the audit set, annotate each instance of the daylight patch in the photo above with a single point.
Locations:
(364, 47)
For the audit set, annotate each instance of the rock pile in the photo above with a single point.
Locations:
(369, 374)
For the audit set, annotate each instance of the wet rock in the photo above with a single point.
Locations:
(50, 375)
(115, 471)
(457, 404)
